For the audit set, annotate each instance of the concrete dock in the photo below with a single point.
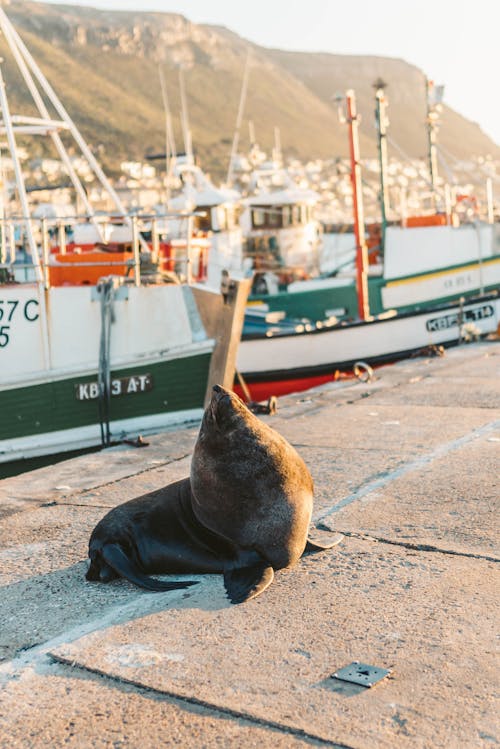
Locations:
(406, 467)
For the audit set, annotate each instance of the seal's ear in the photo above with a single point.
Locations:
(247, 576)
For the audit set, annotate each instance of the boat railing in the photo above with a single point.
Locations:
(138, 240)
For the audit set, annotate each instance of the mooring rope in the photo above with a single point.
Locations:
(106, 289)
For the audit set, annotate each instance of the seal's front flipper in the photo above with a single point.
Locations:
(247, 576)
(322, 542)
(116, 558)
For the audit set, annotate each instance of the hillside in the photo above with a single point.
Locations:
(105, 67)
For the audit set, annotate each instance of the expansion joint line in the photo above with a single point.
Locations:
(416, 546)
(222, 710)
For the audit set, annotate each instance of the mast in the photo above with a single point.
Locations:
(239, 117)
(357, 200)
(170, 148)
(382, 121)
(29, 67)
(188, 147)
(434, 97)
(18, 174)
(10, 34)
(276, 154)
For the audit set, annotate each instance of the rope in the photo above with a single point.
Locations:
(106, 289)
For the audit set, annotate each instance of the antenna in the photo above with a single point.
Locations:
(184, 119)
(277, 158)
(239, 118)
(170, 148)
(251, 132)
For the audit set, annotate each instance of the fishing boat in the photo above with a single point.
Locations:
(277, 361)
(413, 262)
(435, 285)
(101, 337)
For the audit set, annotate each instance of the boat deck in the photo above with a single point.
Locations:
(405, 468)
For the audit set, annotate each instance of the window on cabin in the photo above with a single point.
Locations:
(270, 217)
(287, 215)
(258, 218)
(274, 217)
(222, 223)
(203, 222)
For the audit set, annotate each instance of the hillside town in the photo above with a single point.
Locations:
(145, 187)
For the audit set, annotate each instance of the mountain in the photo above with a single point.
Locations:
(104, 65)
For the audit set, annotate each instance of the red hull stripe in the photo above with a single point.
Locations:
(261, 391)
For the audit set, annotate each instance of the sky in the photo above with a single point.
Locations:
(454, 42)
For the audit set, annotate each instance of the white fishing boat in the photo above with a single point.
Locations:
(98, 340)
(290, 361)
(437, 284)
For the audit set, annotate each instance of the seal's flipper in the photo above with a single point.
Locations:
(247, 576)
(323, 542)
(116, 558)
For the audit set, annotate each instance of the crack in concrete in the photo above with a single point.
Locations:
(414, 546)
(420, 462)
(315, 739)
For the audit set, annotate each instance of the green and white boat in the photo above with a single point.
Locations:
(60, 391)
(421, 267)
(92, 349)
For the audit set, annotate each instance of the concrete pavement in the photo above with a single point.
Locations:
(406, 467)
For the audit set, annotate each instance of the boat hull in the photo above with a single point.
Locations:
(50, 356)
(62, 414)
(303, 359)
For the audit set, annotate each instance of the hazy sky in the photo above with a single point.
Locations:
(455, 42)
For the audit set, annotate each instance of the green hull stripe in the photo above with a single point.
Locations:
(178, 384)
(315, 303)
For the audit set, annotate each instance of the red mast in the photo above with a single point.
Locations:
(357, 200)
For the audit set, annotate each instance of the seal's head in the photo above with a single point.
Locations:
(224, 412)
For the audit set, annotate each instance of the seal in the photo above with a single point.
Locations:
(244, 511)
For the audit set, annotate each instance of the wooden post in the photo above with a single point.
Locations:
(223, 316)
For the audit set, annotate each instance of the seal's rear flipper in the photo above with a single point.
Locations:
(323, 542)
(247, 576)
(116, 558)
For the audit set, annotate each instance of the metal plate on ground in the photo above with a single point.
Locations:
(361, 673)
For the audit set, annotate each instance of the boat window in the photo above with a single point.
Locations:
(203, 222)
(296, 214)
(268, 217)
(258, 218)
(222, 218)
(287, 215)
(231, 217)
(274, 216)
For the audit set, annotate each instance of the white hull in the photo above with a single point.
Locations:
(80, 438)
(327, 349)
